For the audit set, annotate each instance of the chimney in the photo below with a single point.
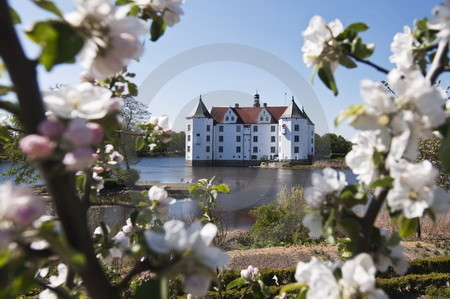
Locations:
(256, 101)
(236, 105)
(265, 105)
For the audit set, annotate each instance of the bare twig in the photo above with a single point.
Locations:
(438, 66)
(377, 67)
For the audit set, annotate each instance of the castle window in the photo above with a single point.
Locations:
(267, 118)
(188, 148)
(272, 138)
(296, 128)
(220, 138)
(296, 138)
(238, 138)
(208, 138)
(238, 128)
(261, 118)
(238, 149)
(189, 127)
(220, 128)
(232, 118)
(312, 140)
(227, 118)
(220, 149)
(272, 149)
(208, 128)
(208, 149)
(272, 128)
(255, 149)
(255, 138)
(255, 129)
(189, 137)
(295, 149)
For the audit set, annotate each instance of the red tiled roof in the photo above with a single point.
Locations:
(247, 115)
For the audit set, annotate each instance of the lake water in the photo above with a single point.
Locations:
(250, 187)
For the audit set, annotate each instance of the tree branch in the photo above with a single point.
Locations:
(61, 184)
(438, 65)
(377, 67)
(8, 107)
(367, 222)
(86, 199)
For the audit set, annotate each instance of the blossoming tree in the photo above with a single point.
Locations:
(65, 129)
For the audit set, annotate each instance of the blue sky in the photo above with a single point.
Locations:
(271, 32)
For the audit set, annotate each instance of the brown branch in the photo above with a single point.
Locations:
(377, 67)
(61, 185)
(437, 66)
(368, 221)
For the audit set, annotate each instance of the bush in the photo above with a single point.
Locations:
(412, 283)
(281, 222)
(440, 264)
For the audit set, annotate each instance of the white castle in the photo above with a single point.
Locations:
(248, 135)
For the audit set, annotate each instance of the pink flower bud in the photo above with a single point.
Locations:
(36, 146)
(79, 159)
(153, 120)
(50, 128)
(245, 274)
(109, 148)
(78, 134)
(255, 271)
(25, 207)
(126, 45)
(97, 132)
(98, 169)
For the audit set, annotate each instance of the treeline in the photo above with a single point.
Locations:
(331, 145)
(175, 147)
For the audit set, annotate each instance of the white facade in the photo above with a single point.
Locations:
(248, 135)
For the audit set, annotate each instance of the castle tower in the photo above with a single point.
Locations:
(295, 140)
(199, 136)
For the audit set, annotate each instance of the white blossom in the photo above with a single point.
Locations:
(391, 255)
(197, 284)
(128, 227)
(331, 182)
(360, 158)
(441, 21)
(318, 37)
(319, 278)
(402, 49)
(358, 274)
(157, 193)
(414, 186)
(121, 242)
(55, 281)
(84, 100)
(111, 37)
(313, 221)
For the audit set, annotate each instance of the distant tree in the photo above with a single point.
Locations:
(331, 143)
(177, 145)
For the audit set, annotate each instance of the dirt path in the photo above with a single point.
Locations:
(288, 257)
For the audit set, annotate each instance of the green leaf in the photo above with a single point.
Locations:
(15, 18)
(293, 287)
(79, 181)
(344, 246)
(140, 143)
(59, 41)
(134, 10)
(327, 77)
(359, 27)
(237, 283)
(5, 89)
(408, 226)
(222, 188)
(444, 152)
(122, 2)
(347, 62)
(195, 190)
(361, 50)
(48, 6)
(157, 29)
(385, 182)
(132, 89)
(347, 112)
(4, 257)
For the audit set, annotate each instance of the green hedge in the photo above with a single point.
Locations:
(440, 264)
(412, 283)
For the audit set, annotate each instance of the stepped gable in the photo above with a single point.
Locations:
(199, 110)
